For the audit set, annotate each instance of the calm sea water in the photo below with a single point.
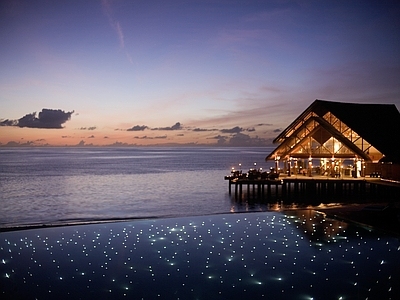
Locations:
(67, 185)
(297, 254)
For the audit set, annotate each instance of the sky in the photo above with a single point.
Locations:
(210, 72)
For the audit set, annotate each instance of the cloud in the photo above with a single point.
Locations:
(91, 137)
(8, 122)
(203, 129)
(138, 128)
(120, 34)
(120, 144)
(217, 137)
(235, 129)
(241, 140)
(177, 126)
(107, 9)
(145, 137)
(18, 144)
(221, 140)
(244, 140)
(115, 24)
(47, 118)
(88, 128)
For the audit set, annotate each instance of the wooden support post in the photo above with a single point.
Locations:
(269, 190)
(284, 189)
(236, 190)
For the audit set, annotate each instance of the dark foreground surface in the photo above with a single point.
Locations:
(297, 255)
(380, 216)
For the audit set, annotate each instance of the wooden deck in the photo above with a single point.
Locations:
(316, 188)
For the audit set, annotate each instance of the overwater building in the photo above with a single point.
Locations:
(341, 140)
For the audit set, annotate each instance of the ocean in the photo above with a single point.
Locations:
(174, 235)
(73, 185)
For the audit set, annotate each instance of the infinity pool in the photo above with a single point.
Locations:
(278, 255)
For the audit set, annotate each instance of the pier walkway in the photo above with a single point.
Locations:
(301, 187)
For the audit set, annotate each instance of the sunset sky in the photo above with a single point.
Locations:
(187, 72)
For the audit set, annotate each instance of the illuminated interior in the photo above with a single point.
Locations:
(320, 142)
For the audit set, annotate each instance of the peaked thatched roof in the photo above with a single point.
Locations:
(379, 124)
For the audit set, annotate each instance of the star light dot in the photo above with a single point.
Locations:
(290, 249)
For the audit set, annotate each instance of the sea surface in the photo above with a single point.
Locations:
(71, 185)
(175, 236)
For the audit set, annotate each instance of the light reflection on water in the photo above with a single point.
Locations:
(301, 255)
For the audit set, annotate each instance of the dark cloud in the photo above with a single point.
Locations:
(199, 129)
(145, 137)
(8, 122)
(240, 140)
(203, 129)
(18, 144)
(120, 144)
(138, 128)
(180, 134)
(277, 130)
(88, 128)
(264, 124)
(250, 129)
(47, 118)
(221, 140)
(235, 129)
(217, 137)
(177, 126)
(244, 140)
(91, 137)
(13, 144)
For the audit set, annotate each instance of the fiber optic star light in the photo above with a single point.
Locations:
(298, 256)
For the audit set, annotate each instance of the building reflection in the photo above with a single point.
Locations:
(316, 226)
